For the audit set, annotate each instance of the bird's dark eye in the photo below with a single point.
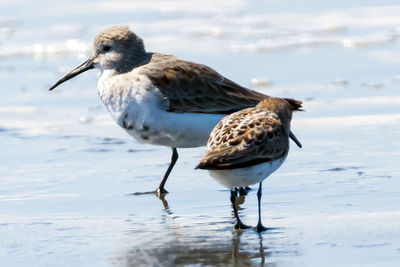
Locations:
(106, 48)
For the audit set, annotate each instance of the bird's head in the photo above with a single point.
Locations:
(116, 48)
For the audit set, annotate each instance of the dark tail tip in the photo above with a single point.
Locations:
(199, 166)
(294, 104)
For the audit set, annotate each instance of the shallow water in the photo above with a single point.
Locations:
(67, 172)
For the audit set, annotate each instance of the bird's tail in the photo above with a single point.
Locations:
(294, 104)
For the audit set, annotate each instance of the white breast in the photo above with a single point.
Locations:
(247, 176)
(137, 106)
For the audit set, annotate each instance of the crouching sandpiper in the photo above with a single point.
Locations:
(247, 146)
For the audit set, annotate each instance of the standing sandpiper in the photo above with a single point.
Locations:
(247, 146)
(160, 99)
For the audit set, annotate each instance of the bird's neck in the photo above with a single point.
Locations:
(127, 64)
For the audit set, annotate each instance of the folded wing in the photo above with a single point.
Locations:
(260, 139)
(191, 87)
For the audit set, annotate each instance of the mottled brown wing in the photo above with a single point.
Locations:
(261, 140)
(191, 87)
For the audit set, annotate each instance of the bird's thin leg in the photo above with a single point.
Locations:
(259, 227)
(239, 224)
(174, 158)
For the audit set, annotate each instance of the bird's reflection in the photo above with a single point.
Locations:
(209, 242)
(190, 250)
(165, 204)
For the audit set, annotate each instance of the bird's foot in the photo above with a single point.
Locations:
(260, 228)
(241, 226)
(161, 192)
(143, 193)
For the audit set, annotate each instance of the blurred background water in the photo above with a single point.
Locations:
(67, 171)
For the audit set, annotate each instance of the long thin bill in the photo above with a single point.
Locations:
(291, 135)
(87, 65)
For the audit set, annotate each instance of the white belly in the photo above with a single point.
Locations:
(246, 176)
(136, 105)
(159, 127)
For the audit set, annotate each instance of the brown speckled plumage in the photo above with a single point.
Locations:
(251, 136)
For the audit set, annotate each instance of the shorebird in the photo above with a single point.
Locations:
(160, 99)
(247, 146)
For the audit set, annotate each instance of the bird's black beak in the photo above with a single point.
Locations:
(291, 135)
(87, 65)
